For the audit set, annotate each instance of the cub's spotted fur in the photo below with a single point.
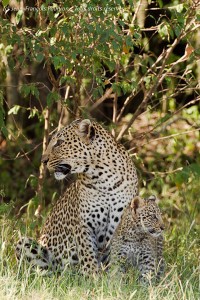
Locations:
(138, 240)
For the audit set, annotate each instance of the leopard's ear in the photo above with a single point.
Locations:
(136, 203)
(86, 131)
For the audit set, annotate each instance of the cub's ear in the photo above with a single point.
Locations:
(153, 198)
(136, 203)
(86, 131)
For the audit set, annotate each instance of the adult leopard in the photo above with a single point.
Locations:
(84, 219)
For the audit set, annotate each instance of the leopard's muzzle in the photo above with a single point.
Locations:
(61, 171)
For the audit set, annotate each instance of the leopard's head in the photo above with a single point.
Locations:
(148, 215)
(76, 148)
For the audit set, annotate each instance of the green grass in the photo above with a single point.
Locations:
(182, 252)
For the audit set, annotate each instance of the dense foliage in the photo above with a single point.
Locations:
(123, 63)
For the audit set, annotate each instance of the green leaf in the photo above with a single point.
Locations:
(8, 49)
(126, 87)
(163, 119)
(160, 2)
(129, 42)
(5, 2)
(181, 18)
(110, 64)
(19, 16)
(179, 8)
(64, 28)
(148, 81)
(187, 172)
(51, 98)
(34, 91)
(25, 90)
(58, 61)
(197, 51)
(121, 23)
(39, 57)
(115, 46)
(181, 177)
(177, 30)
(165, 31)
(2, 117)
(67, 80)
(4, 130)
(195, 169)
(116, 88)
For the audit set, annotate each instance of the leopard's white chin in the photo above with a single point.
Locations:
(59, 175)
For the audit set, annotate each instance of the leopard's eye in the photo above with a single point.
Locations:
(58, 143)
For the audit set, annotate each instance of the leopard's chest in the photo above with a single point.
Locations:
(101, 213)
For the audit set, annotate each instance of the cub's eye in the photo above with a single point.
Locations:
(58, 143)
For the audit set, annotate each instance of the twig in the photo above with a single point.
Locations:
(135, 15)
(167, 137)
(102, 99)
(24, 154)
(164, 173)
(41, 23)
(126, 102)
(42, 169)
(62, 108)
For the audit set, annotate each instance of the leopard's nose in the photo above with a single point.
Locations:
(44, 159)
(162, 227)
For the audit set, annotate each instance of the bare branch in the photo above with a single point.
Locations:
(126, 102)
(167, 137)
(102, 99)
(63, 108)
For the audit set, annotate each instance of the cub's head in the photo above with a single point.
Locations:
(76, 148)
(147, 215)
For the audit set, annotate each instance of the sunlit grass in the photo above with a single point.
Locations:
(34, 286)
(181, 280)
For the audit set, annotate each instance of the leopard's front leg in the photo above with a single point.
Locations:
(146, 263)
(87, 250)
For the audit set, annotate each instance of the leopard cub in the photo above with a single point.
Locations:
(138, 240)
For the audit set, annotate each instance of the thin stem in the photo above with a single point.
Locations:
(167, 137)
(114, 119)
(102, 99)
(42, 169)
